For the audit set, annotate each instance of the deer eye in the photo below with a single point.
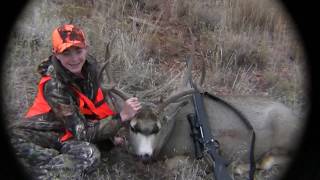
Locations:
(133, 129)
(155, 129)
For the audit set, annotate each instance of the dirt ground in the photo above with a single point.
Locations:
(117, 163)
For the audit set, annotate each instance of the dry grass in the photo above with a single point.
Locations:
(250, 48)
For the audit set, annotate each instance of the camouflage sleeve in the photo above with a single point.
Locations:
(65, 108)
(109, 126)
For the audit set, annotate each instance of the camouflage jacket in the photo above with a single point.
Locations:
(63, 101)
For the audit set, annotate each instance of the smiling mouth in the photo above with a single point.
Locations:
(74, 64)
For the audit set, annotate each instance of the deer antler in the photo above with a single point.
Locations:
(121, 94)
(105, 64)
(173, 98)
(203, 67)
(184, 92)
(158, 90)
(203, 73)
(111, 87)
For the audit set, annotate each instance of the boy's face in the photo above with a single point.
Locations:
(73, 59)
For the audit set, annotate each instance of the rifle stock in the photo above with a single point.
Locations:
(219, 167)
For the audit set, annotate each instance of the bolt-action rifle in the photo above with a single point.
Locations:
(204, 141)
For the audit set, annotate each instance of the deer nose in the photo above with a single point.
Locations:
(145, 157)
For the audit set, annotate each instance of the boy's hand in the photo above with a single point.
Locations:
(130, 109)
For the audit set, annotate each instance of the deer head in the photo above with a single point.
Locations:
(151, 127)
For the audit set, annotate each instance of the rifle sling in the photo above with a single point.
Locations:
(248, 125)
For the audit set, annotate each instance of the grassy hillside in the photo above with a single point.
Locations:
(250, 47)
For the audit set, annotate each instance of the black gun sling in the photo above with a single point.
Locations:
(248, 125)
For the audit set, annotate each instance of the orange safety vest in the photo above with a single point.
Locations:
(86, 106)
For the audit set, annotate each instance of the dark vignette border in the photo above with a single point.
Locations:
(306, 164)
(10, 168)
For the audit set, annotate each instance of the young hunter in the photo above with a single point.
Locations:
(69, 114)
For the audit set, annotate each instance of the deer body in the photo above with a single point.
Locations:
(164, 131)
(275, 126)
(277, 130)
